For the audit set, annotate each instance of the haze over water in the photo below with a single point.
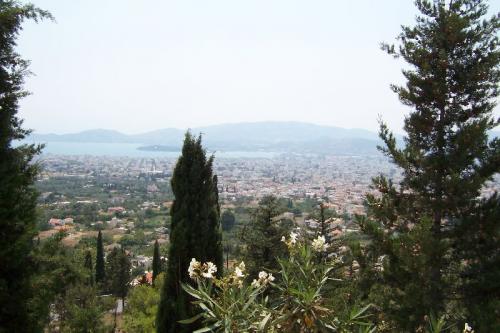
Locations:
(130, 150)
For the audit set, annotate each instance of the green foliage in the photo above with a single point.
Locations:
(303, 283)
(157, 264)
(293, 302)
(261, 238)
(142, 305)
(18, 172)
(308, 205)
(81, 311)
(89, 268)
(195, 230)
(137, 239)
(228, 220)
(100, 270)
(436, 324)
(231, 310)
(118, 268)
(408, 260)
(321, 215)
(478, 236)
(61, 287)
(451, 83)
(55, 271)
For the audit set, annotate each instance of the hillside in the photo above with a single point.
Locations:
(267, 136)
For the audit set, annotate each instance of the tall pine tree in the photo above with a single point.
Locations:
(194, 233)
(452, 81)
(100, 272)
(261, 238)
(157, 266)
(17, 173)
(477, 250)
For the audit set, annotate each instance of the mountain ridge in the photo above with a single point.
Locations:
(162, 135)
(249, 136)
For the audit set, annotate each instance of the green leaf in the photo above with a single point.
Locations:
(264, 322)
(191, 320)
(208, 328)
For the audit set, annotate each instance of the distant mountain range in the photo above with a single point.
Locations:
(259, 136)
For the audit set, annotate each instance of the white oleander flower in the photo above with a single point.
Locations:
(468, 329)
(239, 271)
(264, 278)
(194, 268)
(293, 238)
(209, 270)
(319, 244)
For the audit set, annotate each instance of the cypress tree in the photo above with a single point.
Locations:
(157, 269)
(119, 272)
(451, 84)
(17, 174)
(118, 276)
(100, 273)
(194, 233)
(89, 268)
(228, 220)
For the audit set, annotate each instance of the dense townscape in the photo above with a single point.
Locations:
(129, 198)
(342, 180)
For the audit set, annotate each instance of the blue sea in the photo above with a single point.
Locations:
(130, 150)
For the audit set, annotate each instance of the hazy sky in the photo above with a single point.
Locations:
(142, 65)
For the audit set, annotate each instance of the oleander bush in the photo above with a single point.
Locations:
(292, 299)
